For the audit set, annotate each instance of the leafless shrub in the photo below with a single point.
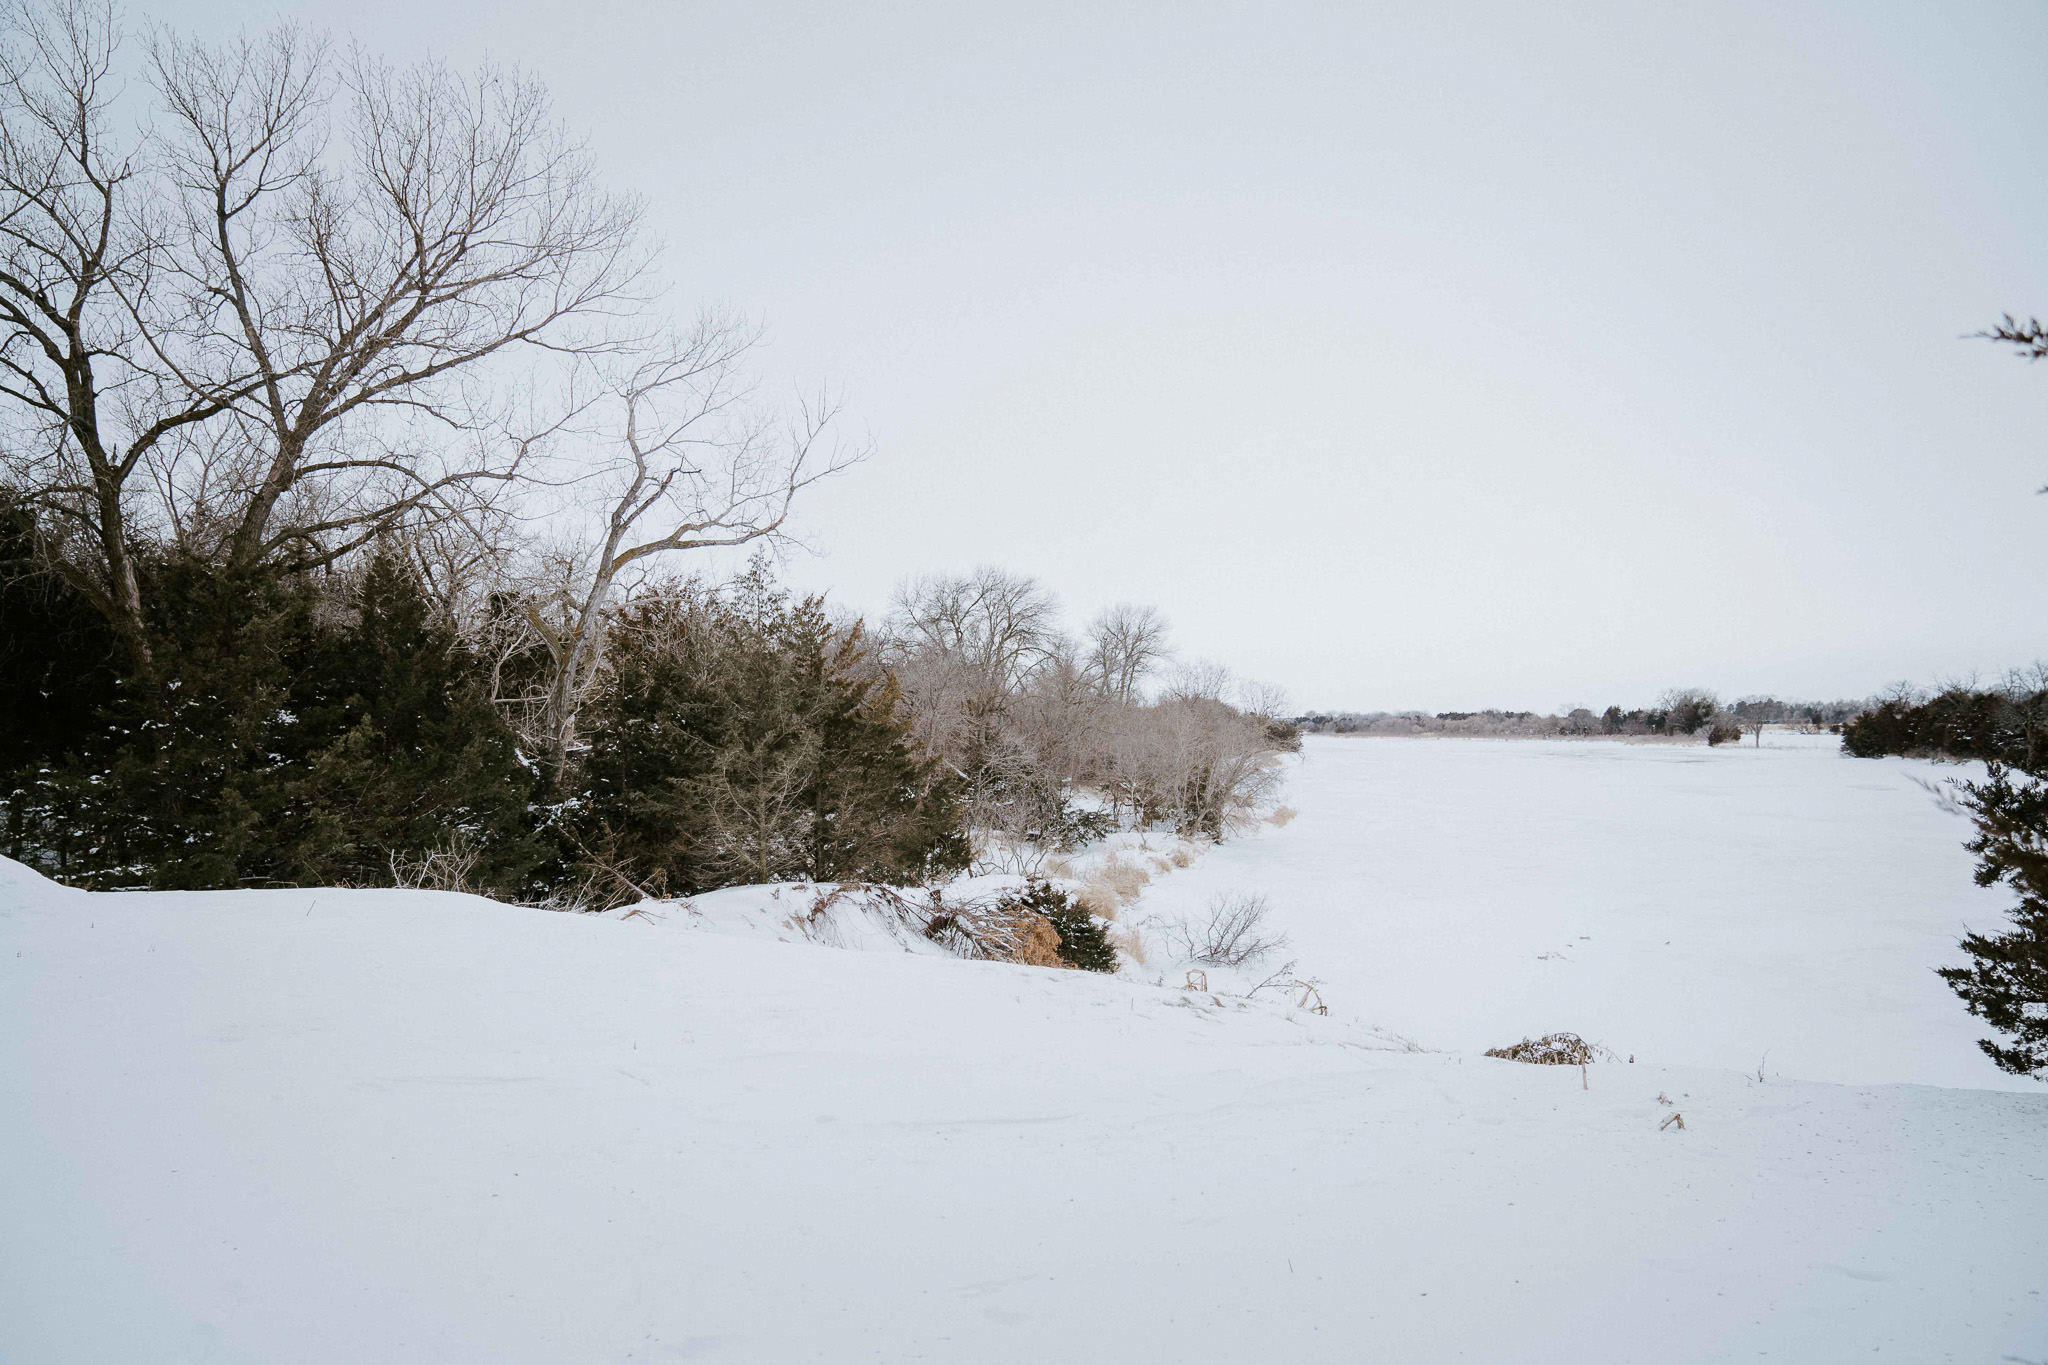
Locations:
(1232, 936)
(446, 868)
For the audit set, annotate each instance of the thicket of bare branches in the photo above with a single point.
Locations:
(1057, 739)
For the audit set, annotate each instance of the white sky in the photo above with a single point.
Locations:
(1405, 355)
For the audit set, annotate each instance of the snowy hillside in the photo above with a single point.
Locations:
(328, 1126)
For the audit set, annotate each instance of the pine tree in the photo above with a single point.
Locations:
(2006, 984)
(744, 738)
(57, 670)
(404, 752)
(286, 736)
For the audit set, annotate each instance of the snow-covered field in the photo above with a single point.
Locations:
(1702, 907)
(318, 1126)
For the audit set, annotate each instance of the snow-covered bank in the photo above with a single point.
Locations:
(344, 1126)
(1693, 906)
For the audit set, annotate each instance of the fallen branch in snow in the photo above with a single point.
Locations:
(1279, 980)
(1672, 1119)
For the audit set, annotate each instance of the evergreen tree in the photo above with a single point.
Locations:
(57, 670)
(405, 752)
(1084, 943)
(2006, 984)
(284, 736)
(744, 738)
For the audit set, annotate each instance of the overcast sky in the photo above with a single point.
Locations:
(1406, 355)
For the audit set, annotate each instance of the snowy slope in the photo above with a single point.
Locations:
(329, 1126)
(1693, 906)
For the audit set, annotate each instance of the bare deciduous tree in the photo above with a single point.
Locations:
(964, 646)
(686, 462)
(1001, 625)
(81, 336)
(365, 241)
(1125, 643)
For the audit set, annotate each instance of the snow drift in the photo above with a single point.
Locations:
(405, 1126)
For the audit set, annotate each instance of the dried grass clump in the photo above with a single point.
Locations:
(1112, 885)
(996, 933)
(1180, 857)
(1125, 879)
(1281, 815)
(1034, 942)
(1552, 1049)
(1098, 898)
(1059, 867)
(1129, 942)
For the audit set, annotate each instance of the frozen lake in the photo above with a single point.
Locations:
(1692, 906)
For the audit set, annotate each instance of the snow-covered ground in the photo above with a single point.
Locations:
(318, 1126)
(1703, 907)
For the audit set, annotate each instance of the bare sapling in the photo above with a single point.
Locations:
(684, 461)
(1234, 934)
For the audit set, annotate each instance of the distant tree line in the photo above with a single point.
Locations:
(2006, 723)
(1681, 711)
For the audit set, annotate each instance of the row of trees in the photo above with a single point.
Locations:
(1681, 711)
(350, 466)
(2006, 723)
(351, 728)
